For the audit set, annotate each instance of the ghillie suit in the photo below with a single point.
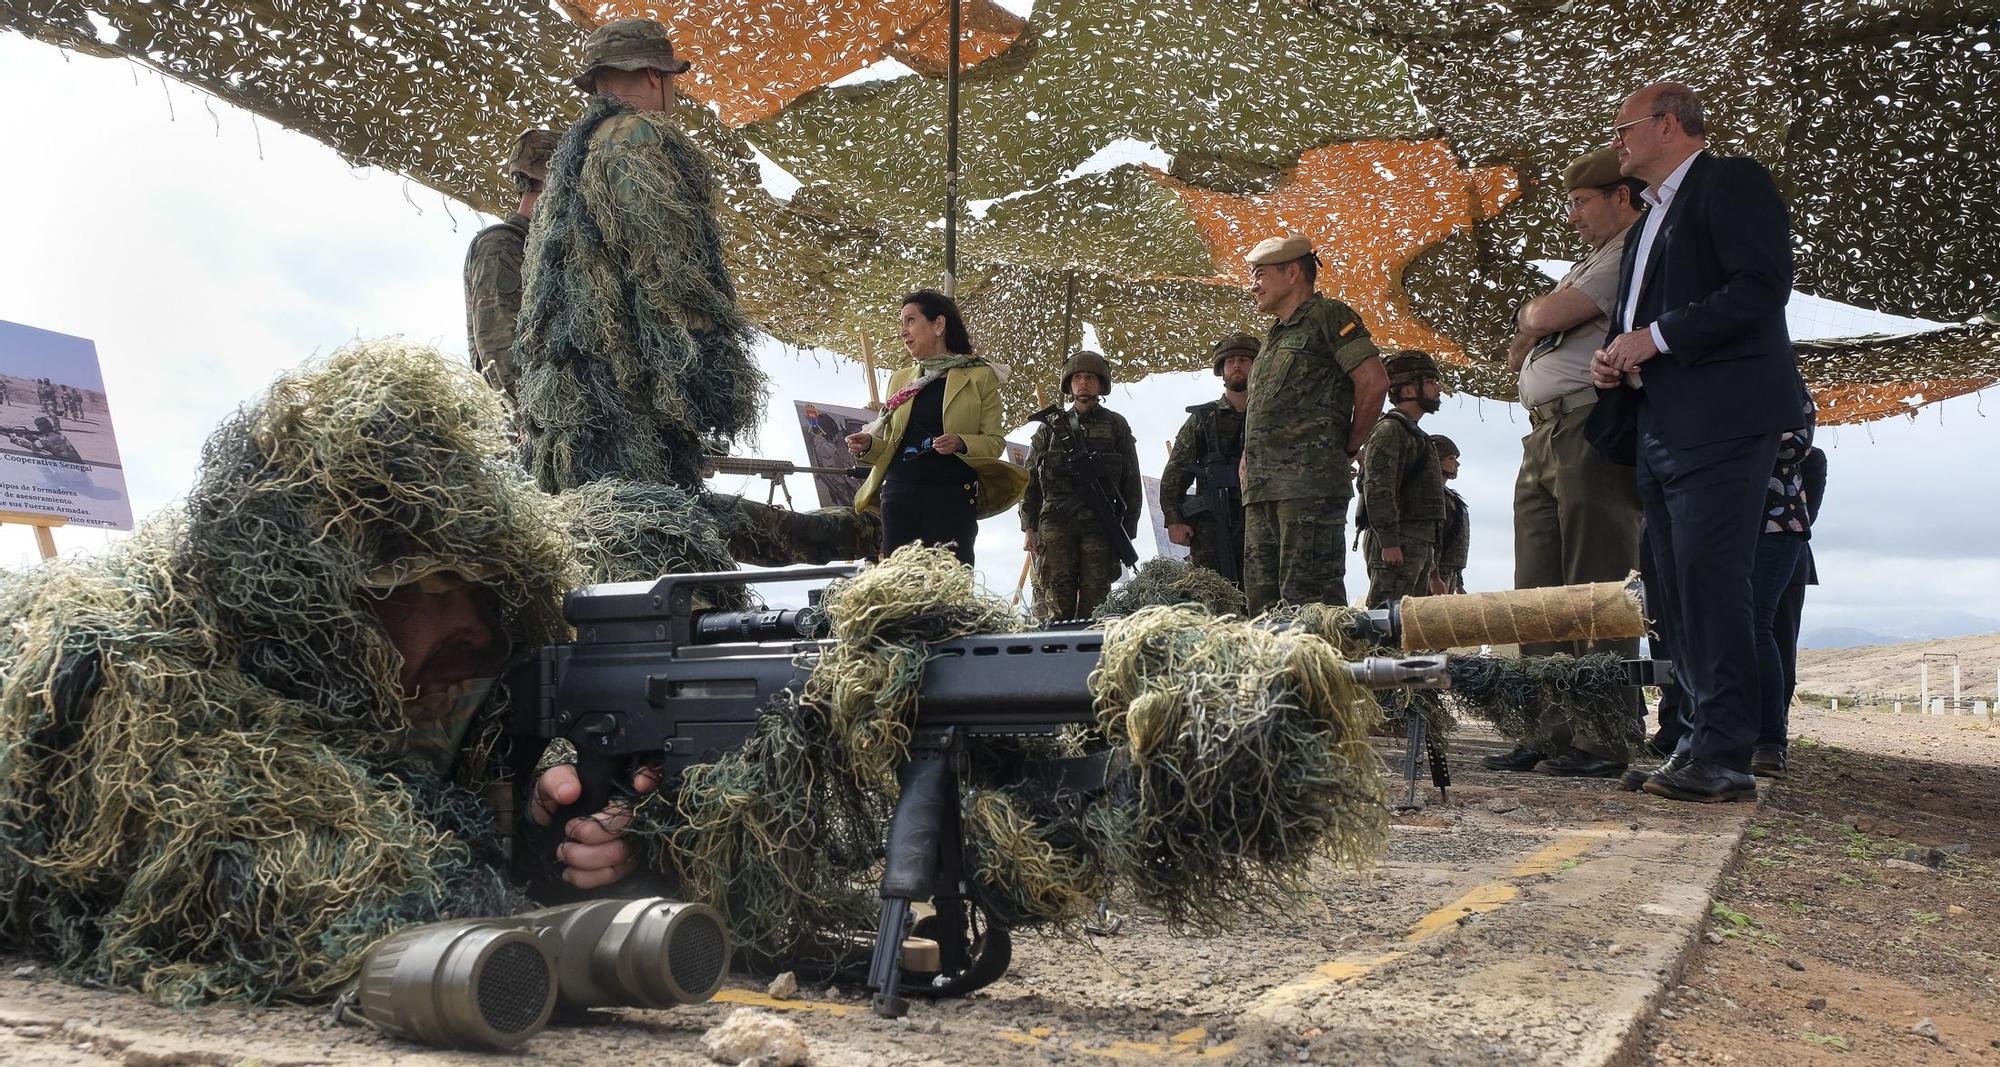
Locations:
(209, 786)
(1589, 693)
(631, 345)
(767, 536)
(1237, 755)
(1163, 581)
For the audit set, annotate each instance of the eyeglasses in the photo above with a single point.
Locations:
(1618, 131)
(1574, 205)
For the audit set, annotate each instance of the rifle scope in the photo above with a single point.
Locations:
(786, 624)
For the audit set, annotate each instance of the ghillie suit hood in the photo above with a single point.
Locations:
(206, 786)
(632, 347)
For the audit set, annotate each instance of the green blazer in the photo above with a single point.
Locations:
(972, 411)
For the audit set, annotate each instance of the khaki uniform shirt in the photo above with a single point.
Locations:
(1302, 403)
(493, 300)
(1565, 368)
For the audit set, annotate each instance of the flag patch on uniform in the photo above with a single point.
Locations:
(1349, 328)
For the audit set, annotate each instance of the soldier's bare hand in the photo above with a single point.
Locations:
(1393, 555)
(1030, 542)
(1518, 349)
(857, 443)
(1181, 533)
(947, 443)
(594, 852)
(1438, 587)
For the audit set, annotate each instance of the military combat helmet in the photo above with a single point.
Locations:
(1410, 366)
(1234, 344)
(45, 424)
(627, 44)
(531, 152)
(1445, 446)
(1086, 362)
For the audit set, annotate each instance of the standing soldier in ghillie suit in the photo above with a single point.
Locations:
(1315, 393)
(493, 267)
(633, 351)
(1081, 509)
(1206, 458)
(1455, 538)
(1402, 486)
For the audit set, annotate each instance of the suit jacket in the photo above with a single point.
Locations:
(1717, 281)
(972, 411)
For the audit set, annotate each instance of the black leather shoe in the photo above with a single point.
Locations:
(1522, 758)
(1636, 776)
(1702, 782)
(1768, 761)
(1579, 764)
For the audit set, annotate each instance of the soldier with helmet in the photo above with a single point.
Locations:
(1201, 494)
(1402, 486)
(1081, 509)
(1455, 536)
(1315, 392)
(46, 440)
(493, 266)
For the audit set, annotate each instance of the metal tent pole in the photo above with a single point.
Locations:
(951, 163)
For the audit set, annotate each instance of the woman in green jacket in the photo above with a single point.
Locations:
(937, 447)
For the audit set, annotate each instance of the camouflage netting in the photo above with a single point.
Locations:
(1236, 755)
(631, 347)
(1421, 154)
(252, 818)
(1161, 580)
(1528, 697)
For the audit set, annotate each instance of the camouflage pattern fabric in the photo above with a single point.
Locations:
(1074, 567)
(1212, 433)
(493, 300)
(1295, 552)
(1053, 484)
(1388, 582)
(1302, 404)
(1402, 483)
(1454, 543)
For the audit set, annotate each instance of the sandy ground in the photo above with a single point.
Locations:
(1528, 920)
(1894, 671)
(1860, 924)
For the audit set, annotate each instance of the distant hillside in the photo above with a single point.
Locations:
(1894, 671)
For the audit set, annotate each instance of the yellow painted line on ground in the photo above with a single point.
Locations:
(1480, 899)
(1186, 1045)
(753, 999)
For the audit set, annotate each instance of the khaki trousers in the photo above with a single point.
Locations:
(1576, 520)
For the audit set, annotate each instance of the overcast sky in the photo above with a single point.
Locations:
(203, 251)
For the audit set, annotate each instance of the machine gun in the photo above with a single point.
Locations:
(1105, 503)
(1218, 491)
(773, 471)
(652, 682)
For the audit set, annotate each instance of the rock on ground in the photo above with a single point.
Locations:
(757, 1039)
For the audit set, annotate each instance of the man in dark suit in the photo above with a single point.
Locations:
(1701, 334)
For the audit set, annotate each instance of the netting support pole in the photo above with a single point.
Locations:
(951, 161)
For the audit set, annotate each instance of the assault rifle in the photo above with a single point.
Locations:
(1104, 501)
(1218, 491)
(773, 471)
(650, 681)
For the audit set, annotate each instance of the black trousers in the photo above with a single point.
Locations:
(1704, 508)
(933, 513)
(1660, 642)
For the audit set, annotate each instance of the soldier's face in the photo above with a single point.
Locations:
(444, 637)
(1236, 373)
(1272, 284)
(1084, 385)
(1450, 465)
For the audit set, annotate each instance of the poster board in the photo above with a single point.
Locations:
(58, 453)
(825, 428)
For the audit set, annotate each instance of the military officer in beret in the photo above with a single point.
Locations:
(1316, 391)
(493, 266)
(1201, 495)
(1576, 513)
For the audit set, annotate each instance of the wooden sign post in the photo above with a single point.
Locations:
(868, 365)
(44, 540)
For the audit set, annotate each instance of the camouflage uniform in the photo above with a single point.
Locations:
(48, 441)
(493, 272)
(1402, 488)
(1075, 562)
(1295, 437)
(1455, 537)
(1212, 437)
